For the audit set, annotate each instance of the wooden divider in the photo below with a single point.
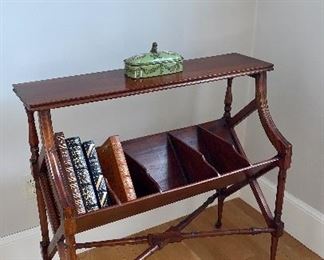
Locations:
(221, 154)
(114, 200)
(193, 162)
(144, 184)
(159, 160)
(180, 157)
(177, 158)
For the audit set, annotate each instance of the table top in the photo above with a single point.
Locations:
(74, 90)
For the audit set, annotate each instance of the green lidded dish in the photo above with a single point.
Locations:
(154, 63)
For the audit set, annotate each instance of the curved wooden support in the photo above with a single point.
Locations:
(283, 147)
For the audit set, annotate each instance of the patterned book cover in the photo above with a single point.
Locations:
(98, 179)
(69, 173)
(82, 173)
(115, 169)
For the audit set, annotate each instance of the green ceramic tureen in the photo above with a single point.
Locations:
(154, 63)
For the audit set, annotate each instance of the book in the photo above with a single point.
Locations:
(98, 180)
(81, 171)
(115, 169)
(69, 174)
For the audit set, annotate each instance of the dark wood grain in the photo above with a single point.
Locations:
(106, 215)
(158, 158)
(53, 93)
(162, 156)
(219, 152)
(194, 163)
(144, 184)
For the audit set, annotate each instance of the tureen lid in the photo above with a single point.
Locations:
(153, 57)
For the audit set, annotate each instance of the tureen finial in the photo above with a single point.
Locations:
(154, 47)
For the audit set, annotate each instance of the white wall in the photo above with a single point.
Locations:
(42, 40)
(290, 34)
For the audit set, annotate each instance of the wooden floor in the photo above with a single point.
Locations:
(236, 214)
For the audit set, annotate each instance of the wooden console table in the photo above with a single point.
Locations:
(165, 167)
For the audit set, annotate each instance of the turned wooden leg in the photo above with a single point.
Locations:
(33, 143)
(227, 116)
(220, 207)
(284, 149)
(61, 250)
(69, 234)
(278, 224)
(274, 246)
(228, 100)
(43, 222)
(71, 249)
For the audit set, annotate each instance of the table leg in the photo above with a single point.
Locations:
(279, 225)
(34, 149)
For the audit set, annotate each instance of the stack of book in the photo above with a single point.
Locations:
(83, 173)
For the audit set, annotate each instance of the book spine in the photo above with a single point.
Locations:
(82, 173)
(115, 169)
(98, 179)
(69, 173)
(123, 171)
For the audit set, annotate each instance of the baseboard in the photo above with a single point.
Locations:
(303, 222)
(28, 241)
